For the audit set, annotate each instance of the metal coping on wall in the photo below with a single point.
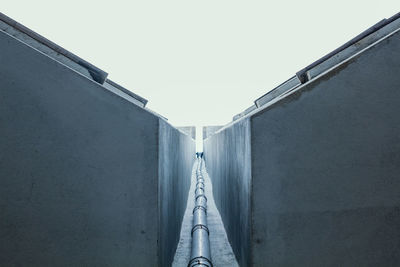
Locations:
(302, 74)
(355, 45)
(126, 91)
(245, 112)
(97, 74)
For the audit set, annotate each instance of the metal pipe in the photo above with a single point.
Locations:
(201, 254)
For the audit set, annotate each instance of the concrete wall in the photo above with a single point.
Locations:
(324, 168)
(189, 130)
(227, 157)
(80, 170)
(210, 130)
(176, 158)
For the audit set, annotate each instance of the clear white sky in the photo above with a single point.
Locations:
(199, 62)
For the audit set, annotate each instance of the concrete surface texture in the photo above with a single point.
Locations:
(80, 170)
(177, 154)
(324, 168)
(227, 157)
(221, 251)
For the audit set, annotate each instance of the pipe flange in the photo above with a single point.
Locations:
(200, 261)
(199, 227)
(200, 184)
(199, 208)
(201, 195)
(199, 188)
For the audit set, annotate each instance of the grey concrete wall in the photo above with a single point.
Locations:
(189, 130)
(324, 168)
(227, 157)
(210, 130)
(79, 169)
(176, 158)
(51, 49)
(326, 164)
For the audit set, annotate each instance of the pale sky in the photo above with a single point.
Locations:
(199, 62)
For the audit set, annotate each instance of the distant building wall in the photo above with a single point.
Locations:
(189, 130)
(210, 130)
(81, 178)
(324, 188)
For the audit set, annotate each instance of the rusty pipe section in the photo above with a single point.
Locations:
(200, 255)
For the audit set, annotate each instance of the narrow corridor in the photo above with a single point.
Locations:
(221, 251)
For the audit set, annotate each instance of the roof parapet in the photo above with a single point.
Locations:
(245, 112)
(156, 114)
(284, 87)
(188, 130)
(56, 52)
(334, 58)
(210, 130)
(358, 43)
(137, 99)
(51, 49)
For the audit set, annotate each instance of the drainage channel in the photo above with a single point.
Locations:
(200, 254)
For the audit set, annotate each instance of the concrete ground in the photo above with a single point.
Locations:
(221, 251)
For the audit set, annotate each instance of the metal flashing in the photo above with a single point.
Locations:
(156, 114)
(358, 43)
(51, 49)
(108, 83)
(245, 112)
(363, 40)
(277, 91)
